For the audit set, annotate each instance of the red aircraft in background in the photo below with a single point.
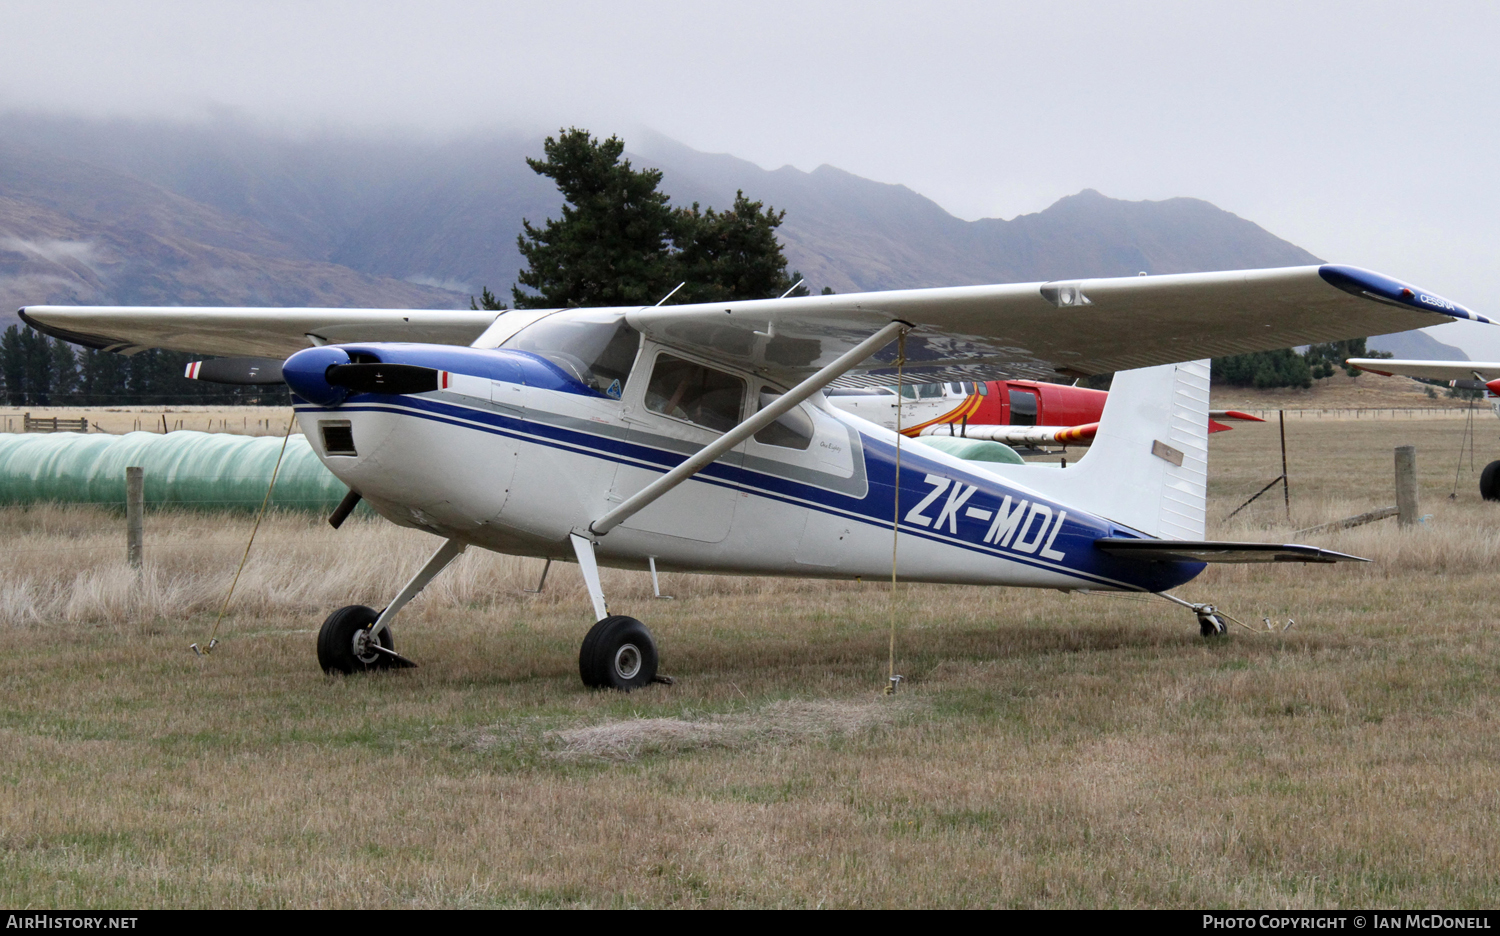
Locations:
(1024, 413)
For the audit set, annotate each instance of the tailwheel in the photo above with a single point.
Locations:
(618, 653)
(345, 644)
(1210, 622)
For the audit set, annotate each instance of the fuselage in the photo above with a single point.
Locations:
(514, 452)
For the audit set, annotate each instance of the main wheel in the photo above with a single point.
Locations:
(1489, 481)
(344, 642)
(618, 653)
(1211, 624)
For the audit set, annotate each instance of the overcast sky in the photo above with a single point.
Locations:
(1364, 132)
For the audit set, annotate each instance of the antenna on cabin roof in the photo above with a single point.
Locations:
(673, 292)
(793, 289)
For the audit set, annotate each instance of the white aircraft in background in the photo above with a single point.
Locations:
(698, 437)
(1468, 375)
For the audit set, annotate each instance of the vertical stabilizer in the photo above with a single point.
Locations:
(1148, 466)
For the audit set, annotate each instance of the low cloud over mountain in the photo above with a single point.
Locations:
(226, 214)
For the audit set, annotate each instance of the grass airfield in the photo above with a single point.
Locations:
(1047, 750)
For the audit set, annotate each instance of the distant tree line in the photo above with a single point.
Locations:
(39, 371)
(1290, 368)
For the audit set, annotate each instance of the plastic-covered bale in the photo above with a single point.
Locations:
(199, 470)
(974, 449)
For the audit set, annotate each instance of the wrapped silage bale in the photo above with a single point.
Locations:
(200, 470)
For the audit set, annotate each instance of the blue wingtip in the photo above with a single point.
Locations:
(1381, 288)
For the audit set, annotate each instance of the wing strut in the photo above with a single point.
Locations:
(705, 457)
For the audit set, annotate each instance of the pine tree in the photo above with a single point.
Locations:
(612, 245)
(13, 366)
(732, 255)
(619, 241)
(64, 373)
(488, 302)
(38, 367)
(101, 377)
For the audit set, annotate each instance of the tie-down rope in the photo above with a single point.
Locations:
(213, 639)
(895, 680)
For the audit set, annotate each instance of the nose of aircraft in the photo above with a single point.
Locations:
(306, 372)
(327, 376)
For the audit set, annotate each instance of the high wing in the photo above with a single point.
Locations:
(1037, 330)
(249, 332)
(1430, 370)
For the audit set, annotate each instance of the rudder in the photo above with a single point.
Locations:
(1148, 466)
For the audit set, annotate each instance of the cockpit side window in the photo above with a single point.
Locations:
(597, 348)
(793, 430)
(698, 394)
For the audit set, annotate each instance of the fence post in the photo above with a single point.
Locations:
(135, 504)
(1286, 484)
(1406, 485)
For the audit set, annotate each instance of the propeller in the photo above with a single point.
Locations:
(382, 378)
(239, 371)
(322, 375)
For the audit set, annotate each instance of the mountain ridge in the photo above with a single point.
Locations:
(139, 212)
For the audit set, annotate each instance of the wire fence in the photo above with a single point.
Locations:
(1364, 412)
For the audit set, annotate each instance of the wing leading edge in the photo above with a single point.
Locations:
(275, 333)
(1036, 330)
(1482, 371)
(1040, 330)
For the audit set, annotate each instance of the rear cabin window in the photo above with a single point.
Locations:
(794, 428)
(598, 349)
(701, 395)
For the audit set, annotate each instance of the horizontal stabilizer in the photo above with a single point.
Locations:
(1184, 551)
(1234, 415)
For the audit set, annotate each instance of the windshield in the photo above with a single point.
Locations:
(597, 348)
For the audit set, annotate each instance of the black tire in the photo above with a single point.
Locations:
(618, 653)
(1489, 482)
(1212, 625)
(336, 652)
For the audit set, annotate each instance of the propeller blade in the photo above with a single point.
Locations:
(344, 509)
(240, 371)
(383, 378)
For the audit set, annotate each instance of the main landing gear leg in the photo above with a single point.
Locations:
(356, 638)
(618, 652)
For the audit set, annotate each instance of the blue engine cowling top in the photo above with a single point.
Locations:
(329, 375)
(366, 373)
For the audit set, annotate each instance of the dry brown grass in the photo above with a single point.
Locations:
(238, 420)
(1047, 750)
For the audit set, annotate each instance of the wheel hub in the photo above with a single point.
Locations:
(628, 661)
(361, 645)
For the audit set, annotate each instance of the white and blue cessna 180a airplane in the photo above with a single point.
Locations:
(698, 438)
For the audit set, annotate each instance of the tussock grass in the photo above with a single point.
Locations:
(1047, 750)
